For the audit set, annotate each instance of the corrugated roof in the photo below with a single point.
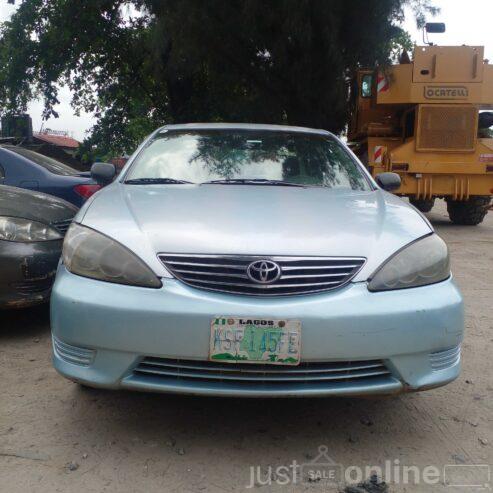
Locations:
(58, 140)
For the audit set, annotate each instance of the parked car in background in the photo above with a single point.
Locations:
(23, 168)
(32, 227)
(253, 260)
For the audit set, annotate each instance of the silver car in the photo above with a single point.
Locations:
(253, 260)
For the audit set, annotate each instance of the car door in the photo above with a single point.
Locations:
(18, 172)
(3, 179)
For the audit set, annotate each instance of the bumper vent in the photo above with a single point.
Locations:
(73, 354)
(34, 286)
(228, 273)
(442, 360)
(248, 374)
(62, 226)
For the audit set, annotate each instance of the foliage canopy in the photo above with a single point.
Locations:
(140, 63)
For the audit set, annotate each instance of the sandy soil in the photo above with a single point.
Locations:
(56, 436)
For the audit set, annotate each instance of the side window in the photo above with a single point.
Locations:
(366, 85)
(2, 172)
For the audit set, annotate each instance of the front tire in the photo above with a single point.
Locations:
(424, 205)
(468, 212)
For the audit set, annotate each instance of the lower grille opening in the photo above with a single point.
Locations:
(33, 286)
(62, 225)
(244, 374)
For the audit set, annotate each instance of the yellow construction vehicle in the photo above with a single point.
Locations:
(423, 119)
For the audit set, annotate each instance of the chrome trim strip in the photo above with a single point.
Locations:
(247, 258)
(203, 273)
(308, 267)
(262, 286)
(195, 264)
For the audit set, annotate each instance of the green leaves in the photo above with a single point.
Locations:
(142, 63)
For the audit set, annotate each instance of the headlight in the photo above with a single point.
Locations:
(91, 254)
(425, 261)
(24, 230)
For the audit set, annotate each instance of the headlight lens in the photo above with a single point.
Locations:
(425, 261)
(24, 230)
(91, 254)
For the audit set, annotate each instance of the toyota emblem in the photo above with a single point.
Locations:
(264, 271)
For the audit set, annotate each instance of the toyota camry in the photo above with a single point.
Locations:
(32, 225)
(253, 260)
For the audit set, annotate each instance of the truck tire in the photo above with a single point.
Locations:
(424, 205)
(468, 212)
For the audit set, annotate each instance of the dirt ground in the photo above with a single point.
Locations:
(56, 436)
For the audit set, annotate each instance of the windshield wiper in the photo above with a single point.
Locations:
(253, 181)
(155, 181)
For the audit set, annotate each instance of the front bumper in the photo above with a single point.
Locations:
(103, 332)
(27, 272)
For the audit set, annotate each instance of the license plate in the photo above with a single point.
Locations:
(255, 340)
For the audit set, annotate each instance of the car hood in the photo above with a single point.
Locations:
(254, 220)
(37, 206)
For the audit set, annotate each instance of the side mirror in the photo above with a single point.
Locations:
(388, 181)
(435, 27)
(103, 173)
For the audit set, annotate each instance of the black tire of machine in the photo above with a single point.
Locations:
(468, 212)
(424, 205)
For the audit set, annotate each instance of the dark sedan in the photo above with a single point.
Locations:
(32, 227)
(24, 168)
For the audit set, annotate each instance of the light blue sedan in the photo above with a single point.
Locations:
(255, 261)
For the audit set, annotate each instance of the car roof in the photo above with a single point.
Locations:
(243, 126)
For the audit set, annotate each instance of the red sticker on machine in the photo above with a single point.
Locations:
(486, 158)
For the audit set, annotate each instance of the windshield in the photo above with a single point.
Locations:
(247, 157)
(50, 164)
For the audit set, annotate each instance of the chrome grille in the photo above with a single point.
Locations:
(62, 226)
(441, 360)
(228, 273)
(308, 372)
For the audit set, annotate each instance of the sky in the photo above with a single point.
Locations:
(468, 22)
